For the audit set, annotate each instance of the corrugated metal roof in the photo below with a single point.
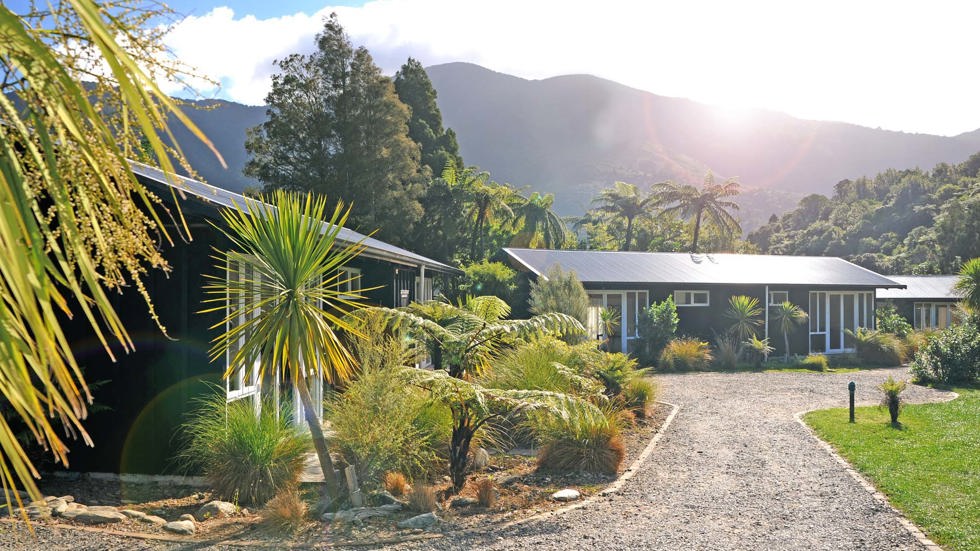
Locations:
(222, 198)
(685, 268)
(938, 287)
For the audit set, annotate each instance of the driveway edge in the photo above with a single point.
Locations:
(916, 532)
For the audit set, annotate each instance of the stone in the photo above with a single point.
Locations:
(385, 498)
(68, 499)
(481, 458)
(37, 512)
(182, 527)
(215, 509)
(131, 513)
(60, 507)
(358, 515)
(73, 510)
(463, 502)
(567, 494)
(100, 515)
(188, 517)
(419, 521)
(152, 519)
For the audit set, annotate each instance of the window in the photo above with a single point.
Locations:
(778, 297)
(349, 282)
(691, 298)
(933, 315)
(243, 381)
(628, 304)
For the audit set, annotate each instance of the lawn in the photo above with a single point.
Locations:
(929, 468)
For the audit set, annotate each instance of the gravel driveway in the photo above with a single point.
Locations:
(733, 471)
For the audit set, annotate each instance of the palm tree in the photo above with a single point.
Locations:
(624, 201)
(463, 339)
(292, 306)
(71, 212)
(539, 224)
(786, 316)
(969, 284)
(743, 313)
(487, 202)
(695, 203)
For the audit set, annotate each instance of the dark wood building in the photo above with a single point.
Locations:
(144, 396)
(836, 294)
(926, 302)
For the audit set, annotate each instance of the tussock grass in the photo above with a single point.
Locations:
(286, 511)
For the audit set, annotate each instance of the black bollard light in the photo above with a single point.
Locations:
(850, 390)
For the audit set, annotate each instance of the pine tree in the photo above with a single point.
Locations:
(336, 127)
(439, 146)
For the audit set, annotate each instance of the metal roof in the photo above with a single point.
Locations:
(693, 269)
(939, 287)
(222, 198)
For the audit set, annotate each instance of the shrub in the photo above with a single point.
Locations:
(242, 456)
(726, 353)
(951, 356)
(380, 425)
(395, 483)
(423, 499)
(538, 365)
(638, 395)
(686, 354)
(657, 326)
(486, 492)
(561, 292)
(614, 370)
(877, 348)
(489, 278)
(815, 362)
(286, 511)
(916, 340)
(892, 399)
(757, 350)
(586, 440)
(888, 320)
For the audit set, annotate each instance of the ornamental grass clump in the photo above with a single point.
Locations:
(878, 348)
(587, 440)
(423, 499)
(286, 512)
(486, 492)
(638, 395)
(892, 397)
(686, 354)
(538, 365)
(815, 362)
(395, 483)
(243, 456)
(726, 353)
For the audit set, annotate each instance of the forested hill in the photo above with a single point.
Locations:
(898, 222)
(573, 135)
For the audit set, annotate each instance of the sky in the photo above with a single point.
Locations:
(892, 64)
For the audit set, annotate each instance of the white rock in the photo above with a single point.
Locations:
(568, 494)
(419, 522)
(188, 517)
(131, 513)
(100, 515)
(215, 509)
(183, 527)
(481, 458)
(152, 519)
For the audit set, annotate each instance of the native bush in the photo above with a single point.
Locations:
(489, 278)
(638, 395)
(587, 439)
(888, 320)
(877, 348)
(286, 511)
(950, 356)
(726, 353)
(380, 425)
(560, 292)
(614, 370)
(243, 456)
(915, 340)
(486, 492)
(892, 397)
(538, 365)
(815, 362)
(395, 483)
(686, 354)
(657, 326)
(423, 499)
(757, 350)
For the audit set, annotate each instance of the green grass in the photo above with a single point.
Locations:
(929, 468)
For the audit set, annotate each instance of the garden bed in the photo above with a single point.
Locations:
(523, 493)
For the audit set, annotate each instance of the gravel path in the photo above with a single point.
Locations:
(733, 471)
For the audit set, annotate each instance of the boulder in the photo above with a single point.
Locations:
(182, 527)
(152, 519)
(131, 513)
(460, 502)
(58, 506)
(188, 517)
(215, 509)
(73, 510)
(567, 494)
(421, 522)
(481, 458)
(37, 512)
(100, 515)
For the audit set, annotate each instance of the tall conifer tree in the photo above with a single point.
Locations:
(439, 145)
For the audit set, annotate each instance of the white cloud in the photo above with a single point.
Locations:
(895, 64)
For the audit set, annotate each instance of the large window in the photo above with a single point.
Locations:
(244, 380)
(933, 315)
(623, 330)
(833, 316)
(691, 298)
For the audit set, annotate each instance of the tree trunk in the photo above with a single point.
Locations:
(697, 232)
(629, 234)
(459, 448)
(893, 404)
(319, 443)
(786, 350)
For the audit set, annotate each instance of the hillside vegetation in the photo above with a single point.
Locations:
(898, 222)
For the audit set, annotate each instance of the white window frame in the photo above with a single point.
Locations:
(243, 382)
(860, 316)
(426, 292)
(642, 300)
(690, 293)
(928, 315)
(773, 294)
(349, 282)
